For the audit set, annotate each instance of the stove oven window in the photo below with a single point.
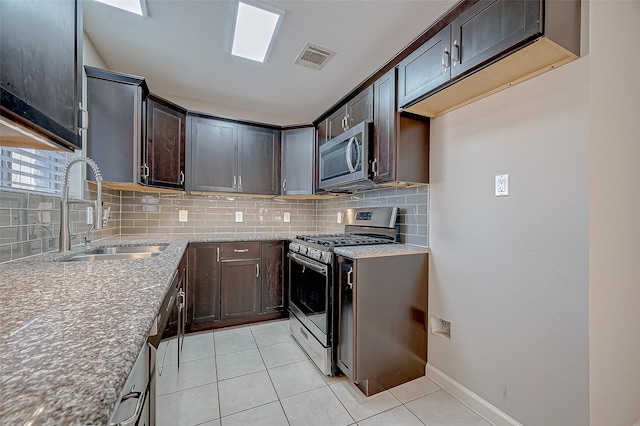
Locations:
(309, 292)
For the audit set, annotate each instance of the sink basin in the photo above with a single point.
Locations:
(119, 252)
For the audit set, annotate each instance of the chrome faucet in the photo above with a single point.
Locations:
(99, 218)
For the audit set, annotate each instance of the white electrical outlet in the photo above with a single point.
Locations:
(502, 185)
(183, 215)
(89, 215)
(238, 216)
(441, 327)
(339, 217)
(286, 217)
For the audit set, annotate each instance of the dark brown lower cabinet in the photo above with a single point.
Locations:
(234, 283)
(239, 288)
(204, 283)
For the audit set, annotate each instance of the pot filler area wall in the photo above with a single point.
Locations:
(30, 222)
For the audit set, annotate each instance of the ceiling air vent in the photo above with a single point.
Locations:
(313, 56)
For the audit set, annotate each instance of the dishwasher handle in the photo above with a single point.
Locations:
(136, 415)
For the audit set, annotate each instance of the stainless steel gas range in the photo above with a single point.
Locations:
(312, 293)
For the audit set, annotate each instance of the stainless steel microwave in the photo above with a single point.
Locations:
(344, 160)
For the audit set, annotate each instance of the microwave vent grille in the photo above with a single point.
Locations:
(314, 57)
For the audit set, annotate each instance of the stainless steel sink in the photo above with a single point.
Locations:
(119, 252)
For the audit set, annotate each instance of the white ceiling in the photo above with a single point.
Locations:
(182, 48)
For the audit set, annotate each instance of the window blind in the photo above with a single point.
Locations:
(32, 169)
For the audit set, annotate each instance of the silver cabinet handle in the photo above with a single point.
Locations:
(240, 250)
(257, 270)
(284, 184)
(131, 420)
(181, 177)
(445, 59)
(145, 171)
(182, 296)
(374, 167)
(347, 125)
(217, 254)
(349, 278)
(352, 141)
(240, 183)
(456, 52)
(84, 114)
(234, 182)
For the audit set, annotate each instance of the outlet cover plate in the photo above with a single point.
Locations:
(238, 216)
(502, 185)
(183, 215)
(286, 217)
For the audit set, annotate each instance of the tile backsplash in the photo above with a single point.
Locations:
(30, 222)
(412, 203)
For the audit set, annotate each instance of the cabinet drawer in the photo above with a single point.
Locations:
(240, 250)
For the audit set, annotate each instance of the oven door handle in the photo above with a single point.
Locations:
(299, 259)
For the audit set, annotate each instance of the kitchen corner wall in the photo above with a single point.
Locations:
(30, 222)
(411, 201)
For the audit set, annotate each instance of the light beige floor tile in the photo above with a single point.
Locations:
(398, 416)
(318, 407)
(196, 373)
(167, 379)
(235, 342)
(414, 389)
(295, 378)
(334, 379)
(166, 410)
(266, 324)
(245, 392)
(359, 406)
(198, 347)
(272, 335)
(441, 409)
(265, 415)
(211, 423)
(168, 356)
(239, 363)
(282, 354)
(197, 405)
(232, 330)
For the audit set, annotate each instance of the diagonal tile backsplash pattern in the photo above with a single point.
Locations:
(30, 222)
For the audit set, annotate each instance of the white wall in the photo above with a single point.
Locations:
(90, 55)
(511, 273)
(614, 307)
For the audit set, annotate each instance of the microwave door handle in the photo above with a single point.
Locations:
(349, 162)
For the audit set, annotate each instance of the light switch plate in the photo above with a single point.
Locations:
(238, 216)
(183, 215)
(339, 217)
(286, 217)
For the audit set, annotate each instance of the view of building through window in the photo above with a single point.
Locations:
(32, 169)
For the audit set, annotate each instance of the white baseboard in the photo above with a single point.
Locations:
(470, 399)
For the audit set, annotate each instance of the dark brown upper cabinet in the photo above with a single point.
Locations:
(400, 141)
(297, 162)
(488, 47)
(355, 111)
(115, 102)
(224, 156)
(165, 144)
(41, 67)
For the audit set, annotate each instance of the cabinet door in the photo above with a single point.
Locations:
(336, 123)
(204, 283)
(114, 139)
(213, 154)
(489, 28)
(165, 145)
(346, 317)
(297, 162)
(322, 133)
(425, 69)
(240, 288)
(273, 294)
(384, 134)
(360, 108)
(40, 69)
(258, 160)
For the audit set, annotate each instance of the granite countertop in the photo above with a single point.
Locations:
(359, 252)
(71, 331)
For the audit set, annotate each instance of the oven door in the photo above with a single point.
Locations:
(310, 295)
(344, 160)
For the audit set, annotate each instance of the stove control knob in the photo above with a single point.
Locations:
(294, 247)
(327, 257)
(303, 249)
(313, 253)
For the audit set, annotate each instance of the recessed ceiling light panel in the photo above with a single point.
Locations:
(255, 29)
(134, 6)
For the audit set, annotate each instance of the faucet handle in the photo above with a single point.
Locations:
(106, 215)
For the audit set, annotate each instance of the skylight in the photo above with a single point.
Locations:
(134, 6)
(255, 29)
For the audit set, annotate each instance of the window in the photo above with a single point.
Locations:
(32, 169)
